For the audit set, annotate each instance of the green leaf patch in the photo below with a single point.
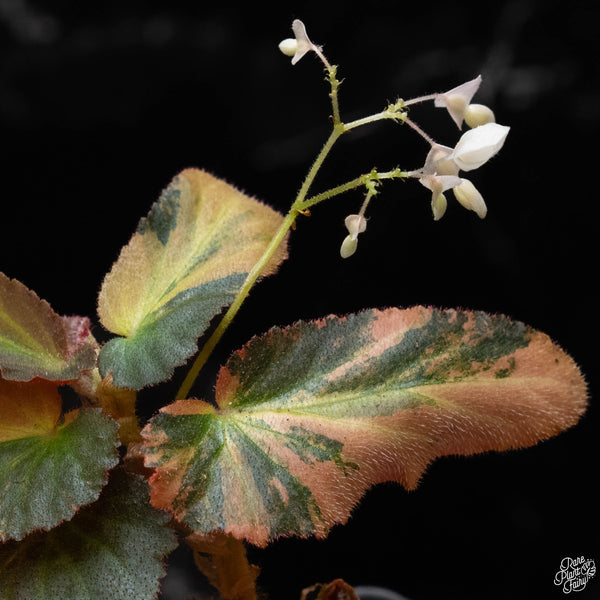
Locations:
(48, 471)
(111, 550)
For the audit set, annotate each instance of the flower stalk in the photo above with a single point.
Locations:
(439, 173)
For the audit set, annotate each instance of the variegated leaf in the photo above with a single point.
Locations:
(187, 260)
(48, 469)
(37, 342)
(311, 416)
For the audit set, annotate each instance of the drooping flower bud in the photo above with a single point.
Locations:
(479, 114)
(355, 224)
(348, 247)
(478, 145)
(458, 99)
(438, 184)
(438, 206)
(468, 195)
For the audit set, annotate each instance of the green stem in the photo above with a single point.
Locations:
(335, 84)
(254, 274)
(350, 185)
(217, 334)
(299, 204)
(331, 140)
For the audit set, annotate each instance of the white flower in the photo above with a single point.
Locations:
(298, 47)
(355, 224)
(438, 184)
(478, 145)
(458, 99)
(439, 174)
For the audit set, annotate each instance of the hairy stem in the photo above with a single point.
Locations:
(217, 334)
(300, 204)
(350, 185)
(256, 271)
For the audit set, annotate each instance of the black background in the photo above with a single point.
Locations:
(102, 104)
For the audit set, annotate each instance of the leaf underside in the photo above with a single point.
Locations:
(310, 416)
(111, 550)
(185, 263)
(48, 470)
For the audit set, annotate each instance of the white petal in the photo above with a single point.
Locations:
(478, 145)
(303, 42)
(437, 161)
(457, 99)
(355, 224)
(468, 195)
(440, 183)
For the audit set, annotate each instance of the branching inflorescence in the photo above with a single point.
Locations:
(440, 171)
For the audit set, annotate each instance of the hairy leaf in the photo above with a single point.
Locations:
(48, 470)
(311, 416)
(187, 260)
(111, 550)
(36, 342)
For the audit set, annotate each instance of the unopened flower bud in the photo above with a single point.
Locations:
(355, 224)
(468, 195)
(289, 46)
(478, 145)
(438, 206)
(348, 246)
(478, 114)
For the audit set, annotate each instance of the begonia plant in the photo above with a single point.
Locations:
(304, 419)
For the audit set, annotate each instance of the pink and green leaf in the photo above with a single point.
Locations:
(187, 260)
(113, 549)
(310, 416)
(48, 469)
(37, 342)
